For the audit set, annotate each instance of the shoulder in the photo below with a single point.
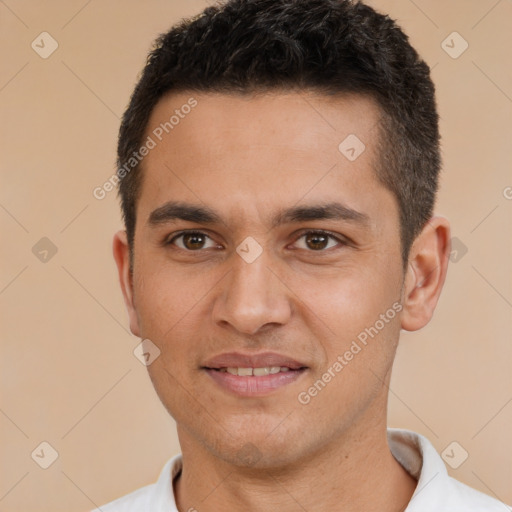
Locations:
(436, 490)
(461, 494)
(157, 497)
(136, 501)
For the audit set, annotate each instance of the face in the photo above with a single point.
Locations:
(260, 242)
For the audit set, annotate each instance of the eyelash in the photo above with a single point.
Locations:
(341, 242)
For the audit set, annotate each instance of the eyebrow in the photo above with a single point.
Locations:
(175, 210)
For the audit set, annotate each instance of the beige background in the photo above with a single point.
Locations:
(69, 376)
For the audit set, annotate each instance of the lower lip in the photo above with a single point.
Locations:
(252, 385)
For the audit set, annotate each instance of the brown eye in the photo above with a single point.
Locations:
(192, 241)
(318, 241)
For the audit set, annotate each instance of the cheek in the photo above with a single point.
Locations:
(172, 307)
(164, 297)
(358, 359)
(359, 311)
(349, 300)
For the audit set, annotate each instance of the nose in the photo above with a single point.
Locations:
(253, 297)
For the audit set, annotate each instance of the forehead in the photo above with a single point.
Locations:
(261, 149)
(313, 121)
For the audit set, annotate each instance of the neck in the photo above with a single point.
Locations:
(357, 472)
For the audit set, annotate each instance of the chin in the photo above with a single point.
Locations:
(257, 448)
(254, 455)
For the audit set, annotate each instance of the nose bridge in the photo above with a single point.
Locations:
(252, 295)
(251, 280)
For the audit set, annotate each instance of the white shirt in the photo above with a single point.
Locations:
(436, 491)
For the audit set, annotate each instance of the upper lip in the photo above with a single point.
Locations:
(262, 360)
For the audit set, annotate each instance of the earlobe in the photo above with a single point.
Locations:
(426, 273)
(121, 252)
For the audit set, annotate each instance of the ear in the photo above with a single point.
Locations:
(121, 252)
(426, 273)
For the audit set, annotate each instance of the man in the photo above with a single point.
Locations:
(278, 167)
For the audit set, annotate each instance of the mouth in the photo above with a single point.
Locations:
(256, 372)
(253, 375)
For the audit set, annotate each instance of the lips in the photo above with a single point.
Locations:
(253, 375)
(263, 360)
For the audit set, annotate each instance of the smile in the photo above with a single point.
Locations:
(257, 372)
(254, 382)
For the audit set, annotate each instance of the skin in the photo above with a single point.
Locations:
(248, 158)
